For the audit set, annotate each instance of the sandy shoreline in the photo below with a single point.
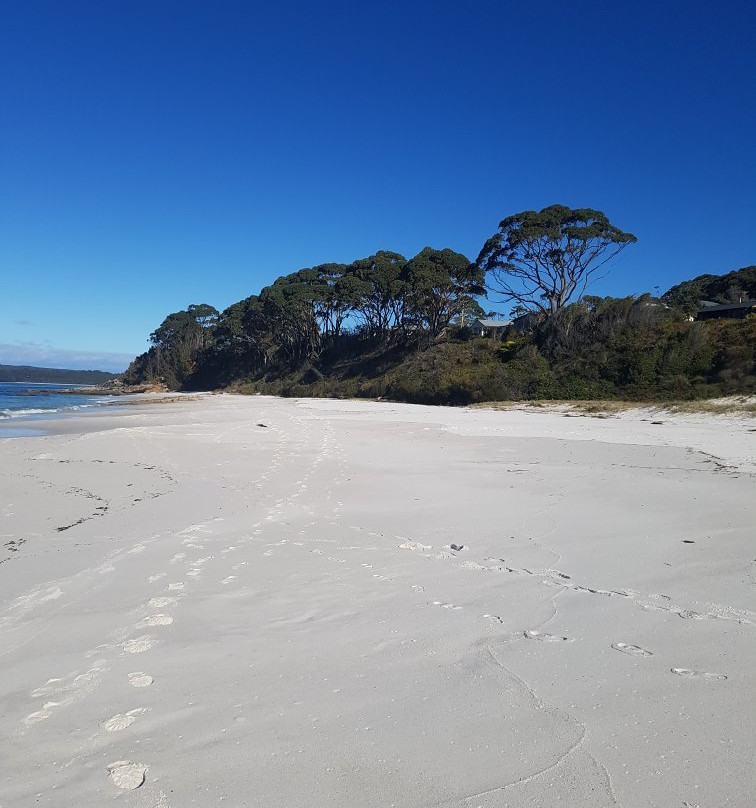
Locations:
(256, 601)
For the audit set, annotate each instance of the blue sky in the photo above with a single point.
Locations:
(157, 154)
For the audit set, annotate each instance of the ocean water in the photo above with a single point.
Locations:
(25, 401)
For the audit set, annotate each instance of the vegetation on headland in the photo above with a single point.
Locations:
(35, 375)
(386, 326)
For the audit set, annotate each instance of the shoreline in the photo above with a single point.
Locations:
(47, 422)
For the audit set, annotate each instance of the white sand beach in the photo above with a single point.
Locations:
(249, 601)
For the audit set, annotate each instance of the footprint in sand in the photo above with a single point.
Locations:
(122, 720)
(414, 545)
(127, 775)
(157, 620)
(139, 644)
(685, 614)
(538, 635)
(72, 682)
(160, 602)
(140, 679)
(66, 690)
(633, 650)
(687, 672)
(46, 711)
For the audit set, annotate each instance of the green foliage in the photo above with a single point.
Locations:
(729, 288)
(176, 344)
(637, 348)
(439, 286)
(542, 260)
(465, 373)
(379, 291)
(383, 326)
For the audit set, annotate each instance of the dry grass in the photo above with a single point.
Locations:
(715, 407)
(740, 405)
(597, 408)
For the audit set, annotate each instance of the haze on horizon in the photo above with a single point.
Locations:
(162, 156)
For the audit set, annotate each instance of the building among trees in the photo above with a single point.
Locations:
(719, 311)
(489, 327)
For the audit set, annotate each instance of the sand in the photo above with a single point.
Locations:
(254, 601)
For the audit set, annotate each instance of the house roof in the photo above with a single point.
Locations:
(493, 323)
(745, 304)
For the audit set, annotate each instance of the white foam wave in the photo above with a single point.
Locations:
(18, 413)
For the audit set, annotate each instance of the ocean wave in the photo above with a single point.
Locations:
(24, 411)
(30, 411)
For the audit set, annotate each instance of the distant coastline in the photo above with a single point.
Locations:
(30, 374)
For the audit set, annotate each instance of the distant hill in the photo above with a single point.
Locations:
(730, 288)
(32, 375)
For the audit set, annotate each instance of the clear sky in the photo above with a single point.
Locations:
(157, 154)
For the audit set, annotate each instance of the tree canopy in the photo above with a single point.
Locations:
(384, 325)
(729, 288)
(438, 284)
(543, 260)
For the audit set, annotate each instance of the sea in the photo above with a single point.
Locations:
(22, 403)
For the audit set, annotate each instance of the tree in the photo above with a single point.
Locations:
(438, 284)
(328, 287)
(205, 314)
(730, 288)
(543, 260)
(206, 317)
(468, 310)
(287, 319)
(379, 291)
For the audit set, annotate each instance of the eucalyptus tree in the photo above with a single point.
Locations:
(206, 317)
(543, 260)
(178, 340)
(468, 309)
(438, 285)
(338, 297)
(328, 290)
(288, 319)
(379, 291)
(235, 349)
